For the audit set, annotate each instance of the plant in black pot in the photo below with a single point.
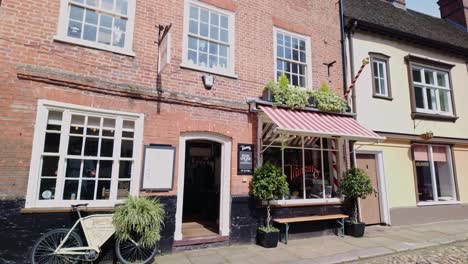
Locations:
(355, 184)
(268, 183)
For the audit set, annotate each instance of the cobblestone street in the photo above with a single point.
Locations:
(456, 253)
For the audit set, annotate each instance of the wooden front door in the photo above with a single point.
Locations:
(370, 207)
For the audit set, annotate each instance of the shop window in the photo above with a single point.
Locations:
(292, 57)
(102, 24)
(209, 38)
(84, 156)
(311, 165)
(434, 173)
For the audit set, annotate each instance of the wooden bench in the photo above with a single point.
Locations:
(286, 221)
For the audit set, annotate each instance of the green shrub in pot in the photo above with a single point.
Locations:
(268, 183)
(355, 184)
(139, 217)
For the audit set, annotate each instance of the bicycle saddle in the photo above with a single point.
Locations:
(78, 205)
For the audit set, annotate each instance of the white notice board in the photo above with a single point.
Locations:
(158, 169)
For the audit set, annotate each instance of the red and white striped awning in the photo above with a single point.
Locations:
(317, 124)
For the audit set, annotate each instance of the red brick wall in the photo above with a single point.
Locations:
(27, 28)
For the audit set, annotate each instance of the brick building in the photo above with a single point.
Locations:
(82, 95)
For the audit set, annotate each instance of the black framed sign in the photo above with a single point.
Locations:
(158, 168)
(245, 159)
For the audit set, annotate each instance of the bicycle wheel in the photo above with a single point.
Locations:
(43, 250)
(130, 252)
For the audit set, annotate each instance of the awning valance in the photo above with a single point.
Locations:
(300, 122)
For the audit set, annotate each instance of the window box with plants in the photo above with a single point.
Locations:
(355, 184)
(268, 183)
(282, 93)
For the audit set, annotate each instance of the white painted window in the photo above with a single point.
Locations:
(83, 154)
(312, 165)
(101, 24)
(208, 38)
(292, 57)
(434, 173)
(380, 77)
(432, 91)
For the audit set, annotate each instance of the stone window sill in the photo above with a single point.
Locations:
(434, 117)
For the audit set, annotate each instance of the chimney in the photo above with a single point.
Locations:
(397, 3)
(454, 11)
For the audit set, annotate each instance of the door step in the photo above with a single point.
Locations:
(200, 242)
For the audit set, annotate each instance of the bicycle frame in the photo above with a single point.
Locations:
(97, 229)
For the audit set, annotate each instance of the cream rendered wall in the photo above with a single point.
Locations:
(461, 165)
(395, 116)
(398, 170)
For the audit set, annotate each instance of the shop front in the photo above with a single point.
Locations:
(312, 149)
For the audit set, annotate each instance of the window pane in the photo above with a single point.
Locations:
(106, 21)
(287, 53)
(87, 190)
(90, 2)
(295, 80)
(273, 156)
(121, 6)
(213, 48)
(125, 169)
(107, 5)
(295, 55)
(89, 33)
(224, 22)
(52, 142)
(91, 147)
(287, 41)
(74, 29)
(293, 170)
(107, 147)
(76, 13)
(192, 57)
(193, 27)
(75, 145)
(91, 17)
(302, 81)
(118, 39)
(204, 15)
(214, 32)
(70, 190)
(126, 149)
(381, 69)
(123, 189)
(331, 173)
(431, 100)
(47, 189)
(54, 121)
(104, 36)
(444, 97)
(203, 46)
(423, 173)
(214, 19)
(303, 56)
(92, 131)
(203, 59)
(194, 12)
(377, 85)
(417, 75)
(223, 62)
(103, 190)
(223, 51)
(429, 76)
(302, 45)
(204, 29)
(419, 97)
(445, 183)
(49, 166)
(441, 79)
(280, 51)
(193, 43)
(376, 69)
(213, 61)
(77, 120)
(89, 168)
(313, 176)
(73, 168)
(105, 169)
(383, 90)
(224, 35)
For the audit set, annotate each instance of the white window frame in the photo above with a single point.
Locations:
(43, 108)
(436, 88)
(380, 76)
(308, 70)
(62, 27)
(340, 162)
(434, 180)
(230, 69)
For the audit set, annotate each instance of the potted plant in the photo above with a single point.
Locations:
(356, 184)
(139, 218)
(268, 183)
(325, 100)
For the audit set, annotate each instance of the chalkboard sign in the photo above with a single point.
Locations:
(245, 158)
(158, 168)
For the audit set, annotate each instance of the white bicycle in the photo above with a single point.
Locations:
(66, 246)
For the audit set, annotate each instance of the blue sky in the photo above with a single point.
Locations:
(429, 7)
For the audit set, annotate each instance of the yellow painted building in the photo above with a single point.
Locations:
(414, 93)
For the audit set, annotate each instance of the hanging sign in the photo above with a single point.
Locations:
(245, 158)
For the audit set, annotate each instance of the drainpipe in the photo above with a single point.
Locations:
(353, 93)
(343, 48)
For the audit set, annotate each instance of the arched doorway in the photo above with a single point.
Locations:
(203, 186)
